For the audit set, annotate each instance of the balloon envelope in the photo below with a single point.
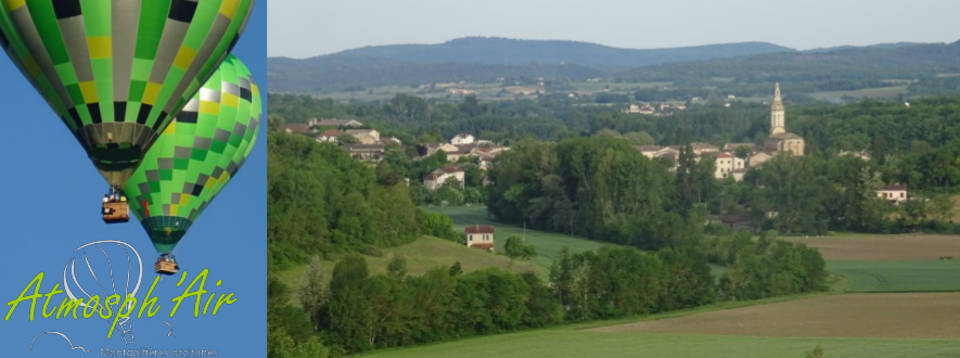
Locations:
(118, 71)
(196, 155)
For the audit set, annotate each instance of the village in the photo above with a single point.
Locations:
(731, 161)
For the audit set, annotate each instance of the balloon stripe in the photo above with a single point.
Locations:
(124, 31)
(117, 71)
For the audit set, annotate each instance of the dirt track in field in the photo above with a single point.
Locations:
(885, 247)
(882, 315)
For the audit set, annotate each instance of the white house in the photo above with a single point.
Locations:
(894, 194)
(480, 237)
(727, 164)
(462, 138)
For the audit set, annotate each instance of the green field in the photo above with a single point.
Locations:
(899, 276)
(872, 93)
(570, 342)
(548, 244)
(421, 255)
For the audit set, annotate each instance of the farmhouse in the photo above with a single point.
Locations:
(437, 178)
(480, 237)
(894, 194)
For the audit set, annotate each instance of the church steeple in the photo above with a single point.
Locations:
(777, 113)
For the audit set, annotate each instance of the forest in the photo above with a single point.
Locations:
(325, 205)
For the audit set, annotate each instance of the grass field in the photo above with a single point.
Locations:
(548, 244)
(899, 276)
(873, 93)
(891, 263)
(808, 319)
(551, 343)
(911, 247)
(422, 255)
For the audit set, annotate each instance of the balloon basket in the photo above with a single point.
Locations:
(115, 212)
(166, 266)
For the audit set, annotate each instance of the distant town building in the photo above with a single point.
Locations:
(329, 136)
(366, 152)
(437, 178)
(640, 108)
(480, 237)
(859, 154)
(299, 128)
(461, 91)
(727, 164)
(894, 194)
(780, 140)
(462, 138)
(732, 147)
(334, 123)
(701, 148)
(364, 136)
(757, 159)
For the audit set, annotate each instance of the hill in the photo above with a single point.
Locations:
(845, 68)
(425, 253)
(479, 59)
(743, 69)
(502, 51)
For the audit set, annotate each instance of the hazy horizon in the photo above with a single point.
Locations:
(615, 23)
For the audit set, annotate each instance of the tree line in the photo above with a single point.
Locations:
(358, 312)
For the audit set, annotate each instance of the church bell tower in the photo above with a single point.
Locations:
(777, 113)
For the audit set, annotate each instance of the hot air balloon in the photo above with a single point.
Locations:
(195, 157)
(118, 71)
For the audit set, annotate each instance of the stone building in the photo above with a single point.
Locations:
(780, 140)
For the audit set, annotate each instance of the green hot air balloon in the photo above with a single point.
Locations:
(195, 157)
(118, 71)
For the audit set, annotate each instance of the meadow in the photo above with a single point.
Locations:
(571, 342)
(548, 244)
(425, 253)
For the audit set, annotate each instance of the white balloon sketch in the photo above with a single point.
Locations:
(106, 248)
(72, 347)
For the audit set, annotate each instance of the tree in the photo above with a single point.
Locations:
(607, 133)
(351, 316)
(639, 138)
(275, 122)
(312, 296)
(347, 139)
(397, 268)
(742, 152)
(516, 248)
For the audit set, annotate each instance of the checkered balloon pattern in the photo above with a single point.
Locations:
(196, 155)
(117, 72)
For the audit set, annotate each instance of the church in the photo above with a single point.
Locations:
(780, 140)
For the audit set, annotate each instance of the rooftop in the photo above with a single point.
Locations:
(477, 229)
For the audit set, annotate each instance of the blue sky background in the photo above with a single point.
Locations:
(51, 195)
(304, 28)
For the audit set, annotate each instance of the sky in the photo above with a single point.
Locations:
(51, 195)
(305, 28)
